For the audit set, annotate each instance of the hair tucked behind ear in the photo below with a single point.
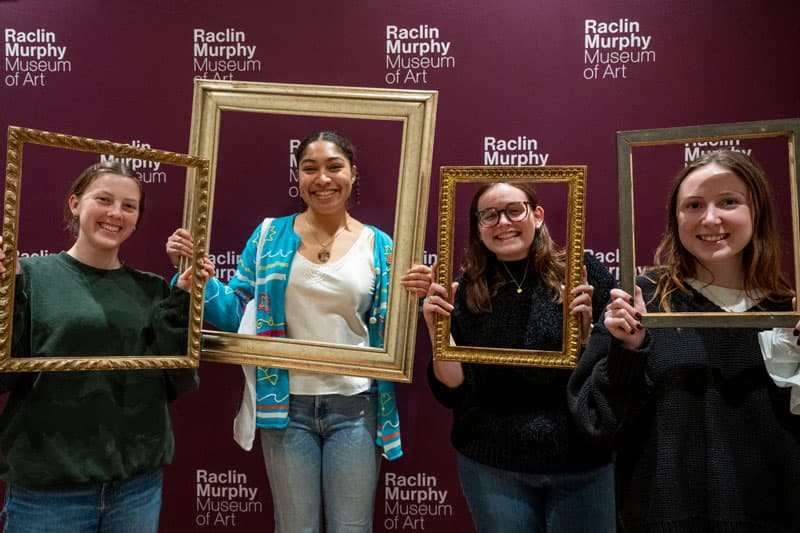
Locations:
(88, 176)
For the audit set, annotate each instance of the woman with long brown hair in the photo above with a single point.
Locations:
(704, 438)
(523, 466)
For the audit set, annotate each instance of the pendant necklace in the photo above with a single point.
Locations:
(519, 285)
(325, 253)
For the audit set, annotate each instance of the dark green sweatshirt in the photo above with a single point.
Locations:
(64, 428)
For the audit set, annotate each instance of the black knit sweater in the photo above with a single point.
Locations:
(704, 439)
(511, 417)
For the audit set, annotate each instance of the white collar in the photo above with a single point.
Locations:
(733, 300)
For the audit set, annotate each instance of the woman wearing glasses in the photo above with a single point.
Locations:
(522, 464)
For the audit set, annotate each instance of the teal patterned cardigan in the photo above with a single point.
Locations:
(263, 273)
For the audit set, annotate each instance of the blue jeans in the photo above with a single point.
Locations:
(323, 467)
(123, 506)
(501, 500)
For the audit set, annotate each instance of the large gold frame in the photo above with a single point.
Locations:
(787, 128)
(417, 111)
(575, 178)
(197, 188)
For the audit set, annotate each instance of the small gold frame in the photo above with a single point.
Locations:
(788, 128)
(416, 109)
(575, 178)
(197, 187)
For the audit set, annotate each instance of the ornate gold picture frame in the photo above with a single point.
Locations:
(197, 189)
(575, 179)
(788, 129)
(416, 111)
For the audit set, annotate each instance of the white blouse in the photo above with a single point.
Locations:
(328, 302)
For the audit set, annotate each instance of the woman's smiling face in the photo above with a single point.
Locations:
(107, 211)
(509, 240)
(325, 177)
(715, 220)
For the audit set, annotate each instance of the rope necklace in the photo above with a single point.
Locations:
(325, 253)
(519, 285)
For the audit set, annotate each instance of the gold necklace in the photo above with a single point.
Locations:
(325, 253)
(519, 285)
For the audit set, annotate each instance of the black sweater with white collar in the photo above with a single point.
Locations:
(704, 439)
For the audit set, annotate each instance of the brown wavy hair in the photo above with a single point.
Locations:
(761, 257)
(479, 267)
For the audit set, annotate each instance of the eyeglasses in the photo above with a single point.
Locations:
(515, 212)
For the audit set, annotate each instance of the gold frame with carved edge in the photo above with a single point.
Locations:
(787, 128)
(197, 187)
(575, 179)
(416, 109)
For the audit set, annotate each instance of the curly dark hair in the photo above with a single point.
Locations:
(342, 143)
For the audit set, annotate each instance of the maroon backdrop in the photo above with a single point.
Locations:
(519, 82)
